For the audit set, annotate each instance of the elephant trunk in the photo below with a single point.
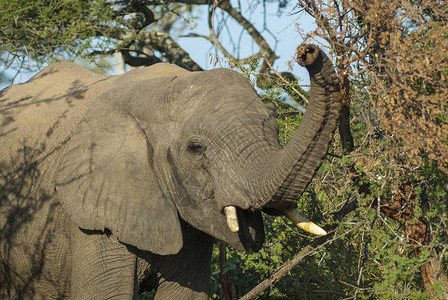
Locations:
(290, 170)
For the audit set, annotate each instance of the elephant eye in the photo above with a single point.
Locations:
(196, 148)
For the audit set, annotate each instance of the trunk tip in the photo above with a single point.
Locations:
(307, 54)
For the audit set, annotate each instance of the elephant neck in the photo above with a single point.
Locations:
(182, 275)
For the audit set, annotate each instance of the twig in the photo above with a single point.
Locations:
(286, 81)
(347, 208)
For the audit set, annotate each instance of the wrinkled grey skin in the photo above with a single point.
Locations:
(113, 185)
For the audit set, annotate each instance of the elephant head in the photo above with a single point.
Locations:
(196, 147)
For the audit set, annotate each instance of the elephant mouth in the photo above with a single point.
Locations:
(248, 224)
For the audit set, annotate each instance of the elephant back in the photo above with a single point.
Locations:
(37, 116)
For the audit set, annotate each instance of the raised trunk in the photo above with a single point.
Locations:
(289, 172)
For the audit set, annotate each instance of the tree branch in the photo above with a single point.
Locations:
(141, 7)
(172, 51)
(139, 61)
(288, 83)
(253, 32)
(278, 275)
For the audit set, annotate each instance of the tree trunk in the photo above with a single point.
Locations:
(344, 118)
(228, 287)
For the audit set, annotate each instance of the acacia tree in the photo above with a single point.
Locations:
(391, 56)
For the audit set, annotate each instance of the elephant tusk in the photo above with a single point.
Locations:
(231, 218)
(303, 223)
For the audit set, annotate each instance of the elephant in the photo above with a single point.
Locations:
(115, 185)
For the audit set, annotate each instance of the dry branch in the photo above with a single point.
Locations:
(278, 274)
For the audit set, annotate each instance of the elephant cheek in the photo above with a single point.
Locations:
(198, 207)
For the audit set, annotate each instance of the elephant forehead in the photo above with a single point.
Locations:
(242, 109)
(225, 117)
(217, 81)
(221, 102)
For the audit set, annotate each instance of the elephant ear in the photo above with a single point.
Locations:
(107, 180)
